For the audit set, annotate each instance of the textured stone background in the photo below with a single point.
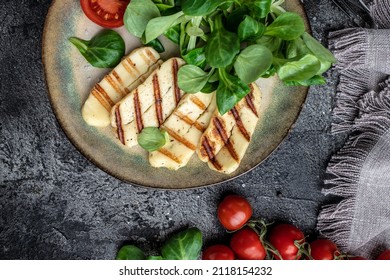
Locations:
(54, 204)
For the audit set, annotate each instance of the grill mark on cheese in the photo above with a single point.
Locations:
(225, 138)
(103, 97)
(175, 69)
(130, 68)
(117, 77)
(101, 100)
(220, 129)
(189, 121)
(210, 153)
(151, 56)
(138, 112)
(114, 85)
(180, 138)
(198, 102)
(249, 101)
(240, 125)
(119, 129)
(157, 99)
(148, 58)
(170, 155)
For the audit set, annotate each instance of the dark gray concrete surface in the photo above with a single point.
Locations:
(55, 204)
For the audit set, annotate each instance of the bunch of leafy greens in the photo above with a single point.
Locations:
(185, 245)
(229, 44)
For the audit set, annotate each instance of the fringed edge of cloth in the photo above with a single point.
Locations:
(335, 220)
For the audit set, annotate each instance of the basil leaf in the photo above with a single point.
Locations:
(196, 57)
(214, 77)
(230, 91)
(164, 5)
(270, 72)
(173, 34)
(222, 46)
(157, 45)
(236, 17)
(209, 87)
(250, 29)
(325, 65)
(104, 50)
(152, 138)
(185, 245)
(315, 80)
(287, 26)
(296, 48)
(159, 25)
(300, 70)
(191, 78)
(130, 252)
(261, 8)
(253, 62)
(318, 49)
(200, 7)
(274, 44)
(137, 15)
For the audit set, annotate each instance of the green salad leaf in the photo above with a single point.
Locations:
(185, 245)
(192, 79)
(228, 44)
(201, 7)
(230, 91)
(130, 252)
(138, 14)
(222, 46)
(252, 63)
(152, 138)
(250, 29)
(159, 25)
(287, 26)
(104, 50)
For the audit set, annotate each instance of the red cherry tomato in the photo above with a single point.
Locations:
(218, 252)
(284, 238)
(246, 244)
(106, 13)
(234, 211)
(385, 255)
(323, 249)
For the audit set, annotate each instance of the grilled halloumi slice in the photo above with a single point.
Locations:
(149, 104)
(223, 145)
(185, 126)
(126, 76)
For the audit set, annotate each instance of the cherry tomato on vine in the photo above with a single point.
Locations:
(287, 239)
(323, 249)
(106, 13)
(246, 244)
(385, 255)
(234, 211)
(218, 252)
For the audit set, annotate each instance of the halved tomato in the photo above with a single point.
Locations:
(106, 13)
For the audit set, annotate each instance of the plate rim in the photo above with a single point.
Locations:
(156, 187)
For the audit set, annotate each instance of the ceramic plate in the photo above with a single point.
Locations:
(69, 79)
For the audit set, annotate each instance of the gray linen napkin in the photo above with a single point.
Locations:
(360, 172)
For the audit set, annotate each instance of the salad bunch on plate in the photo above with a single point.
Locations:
(226, 44)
